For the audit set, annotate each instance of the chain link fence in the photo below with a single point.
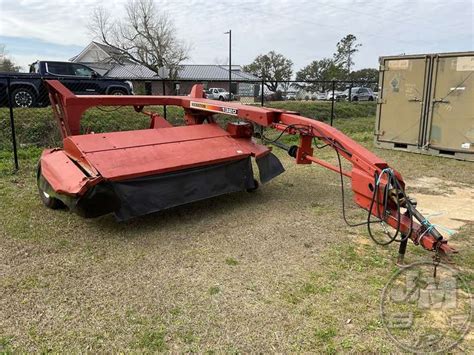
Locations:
(26, 120)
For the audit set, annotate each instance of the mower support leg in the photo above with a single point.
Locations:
(402, 250)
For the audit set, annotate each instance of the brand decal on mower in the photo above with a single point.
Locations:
(214, 108)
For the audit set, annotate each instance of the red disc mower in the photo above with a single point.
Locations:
(132, 173)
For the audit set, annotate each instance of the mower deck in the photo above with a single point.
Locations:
(125, 155)
(132, 173)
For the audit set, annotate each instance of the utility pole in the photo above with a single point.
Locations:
(230, 61)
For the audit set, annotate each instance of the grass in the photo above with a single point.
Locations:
(272, 271)
(322, 110)
(152, 340)
(231, 261)
(214, 290)
(325, 335)
(5, 345)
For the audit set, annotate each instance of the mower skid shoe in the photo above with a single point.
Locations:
(269, 167)
(144, 195)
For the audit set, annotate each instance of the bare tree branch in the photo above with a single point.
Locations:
(144, 36)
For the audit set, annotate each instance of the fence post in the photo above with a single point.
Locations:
(332, 101)
(164, 93)
(262, 99)
(12, 124)
(350, 91)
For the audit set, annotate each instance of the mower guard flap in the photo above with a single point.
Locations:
(150, 194)
(269, 167)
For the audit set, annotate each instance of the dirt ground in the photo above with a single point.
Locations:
(272, 271)
(447, 203)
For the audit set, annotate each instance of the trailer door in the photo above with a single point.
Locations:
(451, 124)
(401, 105)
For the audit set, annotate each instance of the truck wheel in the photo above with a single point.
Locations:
(355, 98)
(221, 98)
(371, 98)
(117, 92)
(45, 197)
(23, 97)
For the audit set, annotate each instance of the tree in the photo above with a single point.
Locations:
(273, 67)
(364, 76)
(346, 49)
(337, 68)
(144, 36)
(6, 64)
(325, 69)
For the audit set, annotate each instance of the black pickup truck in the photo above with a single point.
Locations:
(28, 90)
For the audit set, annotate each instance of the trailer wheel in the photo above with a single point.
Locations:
(45, 197)
(23, 97)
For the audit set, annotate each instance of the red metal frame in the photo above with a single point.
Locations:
(68, 110)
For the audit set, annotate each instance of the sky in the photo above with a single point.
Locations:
(302, 30)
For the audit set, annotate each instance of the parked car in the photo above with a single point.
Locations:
(304, 94)
(28, 90)
(218, 94)
(319, 96)
(357, 94)
(329, 94)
